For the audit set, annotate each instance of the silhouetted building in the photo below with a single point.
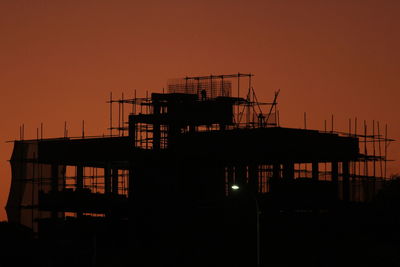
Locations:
(192, 177)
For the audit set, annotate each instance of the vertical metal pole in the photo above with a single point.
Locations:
(123, 120)
(355, 126)
(279, 124)
(198, 88)
(238, 95)
(134, 111)
(349, 127)
(79, 183)
(111, 114)
(39, 182)
(373, 147)
(146, 127)
(133, 103)
(386, 134)
(335, 175)
(156, 126)
(248, 103)
(119, 117)
(211, 86)
(253, 112)
(380, 152)
(357, 162)
(54, 185)
(33, 192)
(83, 128)
(365, 149)
(222, 86)
(346, 182)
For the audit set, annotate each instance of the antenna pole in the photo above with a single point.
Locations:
(111, 113)
(83, 129)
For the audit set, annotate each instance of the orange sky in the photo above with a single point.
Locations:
(60, 59)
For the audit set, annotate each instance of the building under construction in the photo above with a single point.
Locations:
(200, 175)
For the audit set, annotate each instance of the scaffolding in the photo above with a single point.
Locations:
(248, 112)
(367, 171)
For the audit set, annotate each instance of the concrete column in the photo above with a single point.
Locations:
(315, 170)
(346, 181)
(107, 179)
(253, 177)
(130, 183)
(132, 130)
(335, 172)
(54, 186)
(79, 178)
(276, 170)
(288, 170)
(79, 185)
(114, 182)
(54, 177)
(173, 132)
(156, 127)
(335, 176)
(276, 175)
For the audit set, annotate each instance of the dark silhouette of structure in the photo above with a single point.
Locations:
(197, 176)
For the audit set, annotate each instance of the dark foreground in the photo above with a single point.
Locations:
(357, 235)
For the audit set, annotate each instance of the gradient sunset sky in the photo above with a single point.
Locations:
(59, 60)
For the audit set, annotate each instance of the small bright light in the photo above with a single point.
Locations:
(235, 187)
